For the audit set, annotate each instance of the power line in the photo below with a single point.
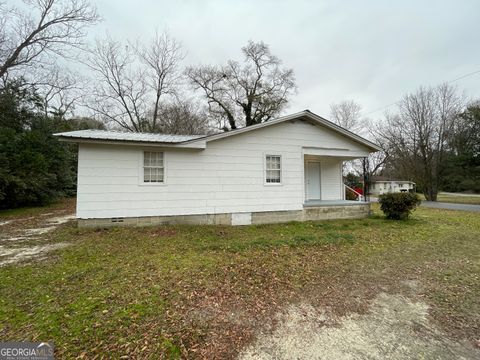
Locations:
(464, 76)
(448, 82)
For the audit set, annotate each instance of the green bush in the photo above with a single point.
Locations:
(35, 168)
(398, 205)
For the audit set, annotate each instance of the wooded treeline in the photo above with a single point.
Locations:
(52, 81)
(432, 138)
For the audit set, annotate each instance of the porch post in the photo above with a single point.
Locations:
(366, 196)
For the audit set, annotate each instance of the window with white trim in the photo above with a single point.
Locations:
(273, 169)
(153, 167)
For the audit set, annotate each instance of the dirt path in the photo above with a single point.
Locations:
(394, 328)
(24, 238)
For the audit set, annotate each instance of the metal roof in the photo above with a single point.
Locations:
(127, 136)
(199, 141)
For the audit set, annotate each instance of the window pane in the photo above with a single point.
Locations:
(146, 175)
(157, 160)
(269, 162)
(273, 162)
(276, 175)
(146, 158)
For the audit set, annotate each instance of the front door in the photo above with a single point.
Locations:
(312, 179)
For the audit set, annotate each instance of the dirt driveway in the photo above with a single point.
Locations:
(395, 327)
(26, 236)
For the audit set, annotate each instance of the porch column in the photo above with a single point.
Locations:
(366, 180)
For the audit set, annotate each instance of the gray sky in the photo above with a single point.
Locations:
(371, 52)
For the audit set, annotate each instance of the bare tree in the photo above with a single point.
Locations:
(417, 136)
(120, 91)
(60, 90)
(56, 27)
(162, 58)
(346, 114)
(246, 94)
(134, 82)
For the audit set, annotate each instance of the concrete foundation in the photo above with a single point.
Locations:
(310, 213)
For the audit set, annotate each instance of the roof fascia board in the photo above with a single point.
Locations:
(200, 145)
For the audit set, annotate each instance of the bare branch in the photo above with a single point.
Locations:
(58, 25)
(417, 137)
(246, 94)
(347, 115)
(134, 82)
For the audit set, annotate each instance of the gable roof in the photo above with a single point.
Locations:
(305, 115)
(199, 141)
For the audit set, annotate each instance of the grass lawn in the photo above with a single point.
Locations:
(203, 291)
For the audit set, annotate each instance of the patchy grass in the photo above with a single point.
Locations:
(202, 291)
(61, 204)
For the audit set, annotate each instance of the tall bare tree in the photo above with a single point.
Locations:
(120, 90)
(245, 94)
(346, 114)
(133, 82)
(54, 28)
(162, 58)
(417, 136)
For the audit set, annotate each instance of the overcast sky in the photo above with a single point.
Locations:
(368, 51)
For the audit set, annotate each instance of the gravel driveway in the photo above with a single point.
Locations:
(450, 206)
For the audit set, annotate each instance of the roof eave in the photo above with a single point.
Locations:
(80, 140)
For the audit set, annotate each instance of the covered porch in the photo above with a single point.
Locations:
(323, 178)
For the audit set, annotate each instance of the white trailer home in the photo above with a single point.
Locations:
(380, 187)
(287, 169)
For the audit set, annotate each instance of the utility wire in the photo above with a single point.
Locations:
(448, 82)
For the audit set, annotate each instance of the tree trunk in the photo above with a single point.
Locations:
(430, 193)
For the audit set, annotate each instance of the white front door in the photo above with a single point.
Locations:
(312, 180)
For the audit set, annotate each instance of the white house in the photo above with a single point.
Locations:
(286, 169)
(380, 187)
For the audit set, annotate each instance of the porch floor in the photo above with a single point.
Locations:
(317, 203)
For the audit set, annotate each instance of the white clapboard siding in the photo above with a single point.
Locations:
(228, 176)
(331, 179)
